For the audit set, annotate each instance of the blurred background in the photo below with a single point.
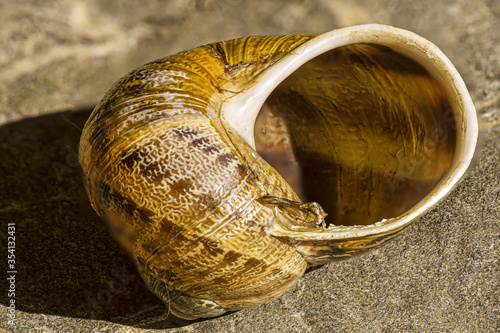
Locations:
(57, 59)
(63, 54)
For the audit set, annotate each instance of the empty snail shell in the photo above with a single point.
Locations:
(214, 167)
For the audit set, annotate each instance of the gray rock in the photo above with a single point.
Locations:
(57, 58)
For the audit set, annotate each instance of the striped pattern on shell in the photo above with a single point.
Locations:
(179, 190)
(374, 121)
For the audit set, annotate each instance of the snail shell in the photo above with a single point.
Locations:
(371, 123)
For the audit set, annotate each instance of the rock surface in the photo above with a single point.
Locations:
(57, 58)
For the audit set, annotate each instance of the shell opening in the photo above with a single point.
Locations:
(362, 129)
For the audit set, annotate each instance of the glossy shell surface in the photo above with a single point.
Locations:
(172, 158)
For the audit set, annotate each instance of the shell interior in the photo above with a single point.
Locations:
(361, 129)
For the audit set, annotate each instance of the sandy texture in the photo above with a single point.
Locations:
(57, 58)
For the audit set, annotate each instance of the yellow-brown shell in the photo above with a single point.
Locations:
(209, 223)
(179, 192)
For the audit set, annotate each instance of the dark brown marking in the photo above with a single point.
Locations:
(130, 159)
(205, 145)
(108, 196)
(157, 177)
(145, 214)
(137, 89)
(104, 192)
(125, 205)
(231, 257)
(185, 133)
(172, 229)
(225, 159)
(219, 280)
(181, 186)
(134, 83)
(147, 168)
(253, 262)
(242, 170)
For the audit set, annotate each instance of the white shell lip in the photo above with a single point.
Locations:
(241, 110)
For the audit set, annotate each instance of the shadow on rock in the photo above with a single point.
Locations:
(67, 263)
